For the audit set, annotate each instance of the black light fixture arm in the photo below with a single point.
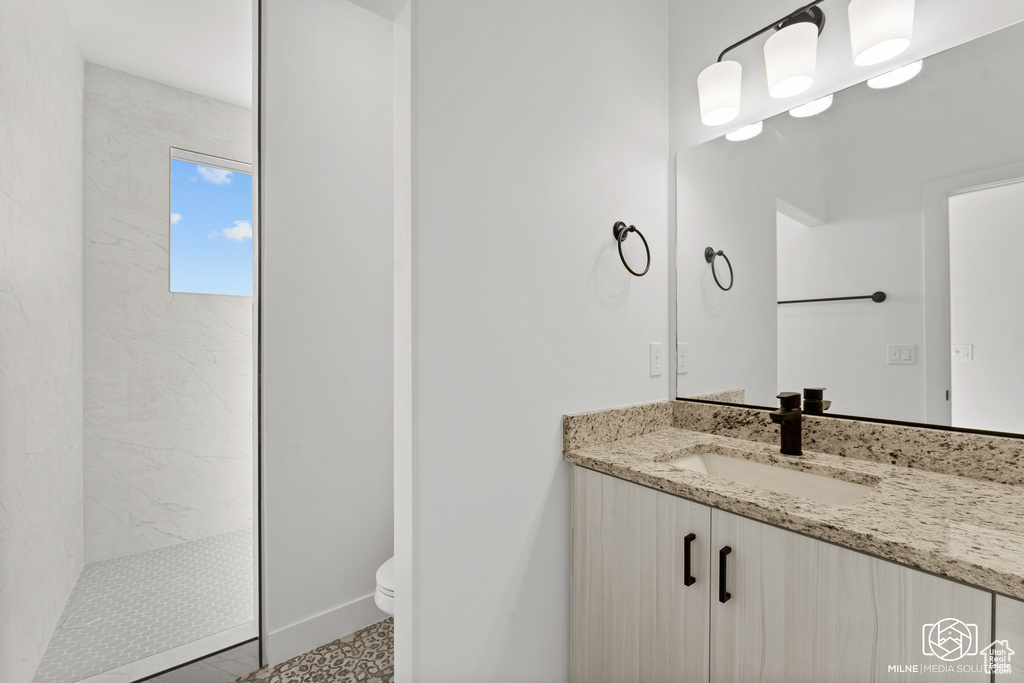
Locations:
(809, 11)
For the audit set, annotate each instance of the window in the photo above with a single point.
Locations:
(211, 225)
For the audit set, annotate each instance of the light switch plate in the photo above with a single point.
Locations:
(963, 351)
(682, 353)
(657, 360)
(901, 354)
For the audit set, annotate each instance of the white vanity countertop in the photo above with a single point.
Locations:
(959, 527)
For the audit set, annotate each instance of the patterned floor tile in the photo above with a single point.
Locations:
(366, 656)
(128, 608)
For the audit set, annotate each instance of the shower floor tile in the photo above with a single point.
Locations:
(132, 607)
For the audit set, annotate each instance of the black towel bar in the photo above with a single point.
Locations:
(877, 297)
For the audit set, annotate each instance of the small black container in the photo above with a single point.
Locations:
(814, 403)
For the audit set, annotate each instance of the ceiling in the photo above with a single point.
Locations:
(197, 45)
(388, 9)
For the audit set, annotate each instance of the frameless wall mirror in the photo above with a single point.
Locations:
(129, 548)
(914, 190)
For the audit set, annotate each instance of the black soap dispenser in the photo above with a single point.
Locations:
(814, 403)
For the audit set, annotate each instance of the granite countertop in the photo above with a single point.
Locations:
(960, 527)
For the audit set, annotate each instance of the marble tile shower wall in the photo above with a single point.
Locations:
(168, 376)
(41, 74)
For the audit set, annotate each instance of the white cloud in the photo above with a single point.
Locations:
(217, 176)
(175, 217)
(241, 231)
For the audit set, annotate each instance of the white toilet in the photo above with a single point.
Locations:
(385, 593)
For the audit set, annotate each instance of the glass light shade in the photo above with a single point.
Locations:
(812, 108)
(746, 132)
(789, 59)
(880, 29)
(896, 76)
(718, 88)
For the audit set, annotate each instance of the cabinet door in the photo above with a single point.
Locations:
(1010, 627)
(633, 616)
(804, 610)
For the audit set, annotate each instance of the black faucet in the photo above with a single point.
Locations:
(790, 417)
(814, 402)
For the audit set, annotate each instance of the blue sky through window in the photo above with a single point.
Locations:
(211, 230)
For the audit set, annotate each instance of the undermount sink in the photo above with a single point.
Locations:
(778, 479)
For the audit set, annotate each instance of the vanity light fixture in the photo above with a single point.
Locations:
(812, 108)
(718, 87)
(790, 56)
(746, 132)
(880, 29)
(896, 76)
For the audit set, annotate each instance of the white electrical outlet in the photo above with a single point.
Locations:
(682, 351)
(901, 354)
(963, 351)
(657, 360)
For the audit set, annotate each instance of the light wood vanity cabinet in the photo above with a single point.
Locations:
(1010, 627)
(633, 616)
(805, 610)
(797, 609)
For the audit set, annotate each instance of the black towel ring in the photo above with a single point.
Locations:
(710, 255)
(621, 231)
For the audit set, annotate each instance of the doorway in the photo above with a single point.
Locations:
(985, 282)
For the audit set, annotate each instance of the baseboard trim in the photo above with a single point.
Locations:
(321, 629)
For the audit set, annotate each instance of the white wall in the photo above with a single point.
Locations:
(404, 476)
(985, 246)
(168, 375)
(41, 76)
(327, 301)
(536, 126)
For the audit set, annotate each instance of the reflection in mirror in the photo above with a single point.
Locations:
(128, 495)
(912, 191)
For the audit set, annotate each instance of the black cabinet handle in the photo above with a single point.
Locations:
(723, 595)
(688, 579)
